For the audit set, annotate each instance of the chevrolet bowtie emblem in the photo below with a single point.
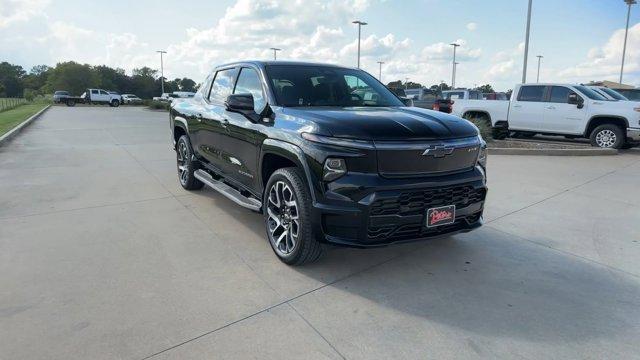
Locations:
(438, 151)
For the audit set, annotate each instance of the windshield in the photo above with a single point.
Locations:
(311, 85)
(590, 93)
(614, 94)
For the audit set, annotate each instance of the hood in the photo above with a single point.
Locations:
(391, 123)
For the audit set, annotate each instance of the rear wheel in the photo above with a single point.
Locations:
(287, 216)
(185, 165)
(71, 102)
(608, 136)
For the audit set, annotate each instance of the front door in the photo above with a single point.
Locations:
(527, 111)
(560, 116)
(244, 136)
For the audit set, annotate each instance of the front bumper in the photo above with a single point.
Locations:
(388, 211)
(633, 134)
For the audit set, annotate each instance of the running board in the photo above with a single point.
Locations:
(229, 192)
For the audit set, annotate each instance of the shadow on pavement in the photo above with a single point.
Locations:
(485, 282)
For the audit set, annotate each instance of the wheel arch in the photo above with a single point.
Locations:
(179, 128)
(598, 120)
(276, 154)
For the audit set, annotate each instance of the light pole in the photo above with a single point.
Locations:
(453, 70)
(380, 71)
(161, 69)
(275, 50)
(360, 25)
(538, 76)
(526, 45)
(406, 83)
(626, 31)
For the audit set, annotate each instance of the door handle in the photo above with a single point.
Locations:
(517, 106)
(551, 107)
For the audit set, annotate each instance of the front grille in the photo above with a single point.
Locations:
(418, 201)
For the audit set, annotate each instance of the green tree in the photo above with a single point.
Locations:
(187, 84)
(11, 78)
(144, 84)
(36, 79)
(72, 77)
(486, 88)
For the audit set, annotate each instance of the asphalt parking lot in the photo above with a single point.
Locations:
(104, 256)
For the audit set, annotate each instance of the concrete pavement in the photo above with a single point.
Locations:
(103, 255)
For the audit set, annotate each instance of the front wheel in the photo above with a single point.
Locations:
(608, 136)
(185, 165)
(287, 217)
(115, 103)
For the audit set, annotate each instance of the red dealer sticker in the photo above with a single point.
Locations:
(441, 215)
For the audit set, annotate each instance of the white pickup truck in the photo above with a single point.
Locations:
(558, 109)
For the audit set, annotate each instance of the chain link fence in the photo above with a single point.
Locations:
(10, 103)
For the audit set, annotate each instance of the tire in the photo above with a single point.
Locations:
(115, 103)
(282, 221)
(71, 102)
(608, 136)
(185, 166)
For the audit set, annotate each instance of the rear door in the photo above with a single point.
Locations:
(213, 133)
(560, 116)
(528, 108)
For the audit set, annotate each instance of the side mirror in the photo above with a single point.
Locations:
(574, 99)
(239, 102)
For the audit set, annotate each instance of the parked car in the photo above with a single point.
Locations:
(631, 94)
(559, 109)
(165, 97)
(325, 162)
(94, 96)
(131, 99)
(609, 94)
(59, 96)
(183, 94)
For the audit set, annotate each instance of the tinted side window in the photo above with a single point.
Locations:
(560, 94)
(94, 91)
(475, 95)
(222, 85)
(102, 92)
(454, 95)
(531, 93)
(249, 83)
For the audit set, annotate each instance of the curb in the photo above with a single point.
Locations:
(13, 132)
(553, 152)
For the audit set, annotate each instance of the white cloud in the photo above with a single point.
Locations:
(472, 26)
(12, 11)
(604, 62)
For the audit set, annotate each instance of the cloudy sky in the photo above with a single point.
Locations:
(580, 40)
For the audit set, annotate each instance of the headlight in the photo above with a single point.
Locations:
(334, 168)
(482, 154)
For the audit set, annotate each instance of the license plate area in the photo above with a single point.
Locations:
(442, 215)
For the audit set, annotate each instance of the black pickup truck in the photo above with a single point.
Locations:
(328, 155)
